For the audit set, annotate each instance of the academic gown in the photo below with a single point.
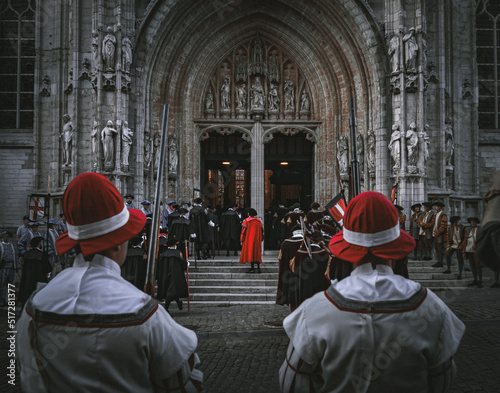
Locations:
(199, 224)
(251, 238)
(180, 230)
(170, 275)
(35, 270)
(288, 281)
(135, 266)
(230, 226)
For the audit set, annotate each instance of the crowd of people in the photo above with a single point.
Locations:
(351, 301)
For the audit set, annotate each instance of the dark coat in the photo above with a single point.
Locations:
(288, 281)
(35, 270)
(135, 266)
(199, 224)
(230, 226)
(170, 276)
(180, 229)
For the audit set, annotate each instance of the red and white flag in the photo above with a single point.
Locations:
(337, 207)
(37, 208)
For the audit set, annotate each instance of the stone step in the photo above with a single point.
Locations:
(225, 302)
(231, 269)
(230, 276)
(233, 297)
(231, 289)
(217, 282)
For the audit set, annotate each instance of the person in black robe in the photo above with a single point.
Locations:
(36, 269)
(288, 281)
(230, 229)
(180, 229)
(311, 269)
(172, 283)
(199, 223)
(213, 230)
(135, 266)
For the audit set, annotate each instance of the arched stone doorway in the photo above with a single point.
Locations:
(182, 60)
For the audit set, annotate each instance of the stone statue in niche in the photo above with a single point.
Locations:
(393, 52)
(370, 150)
(127, 135)
(411, 50)
(412, 145)
(342, 154)
(209, 101)
(225, 94)
(395, 146)
(95, 51)
(126, 54)
(108, 51)
(273, 69)
(67, 137)
(257, 94)
(449, 142)
(93, 141)
(305, 102)
(241, 97)
(156, 150)
(147, 152)
(273, 99)
(173, 158)
(108, 137)
(360, 149)
(426, 144)
(258, 66)
(289, 95)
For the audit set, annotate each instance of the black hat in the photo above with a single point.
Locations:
(172, 241)
(473, 219)
(416, 205)
(428, 204)
(252, 212)
(316, 236)
(454, 218)
(295, 206)
(8, 233)
(438, 203)
(26, 217)
(182, 210)
(198, 201)
(129, 196)
(315, 205)
(35, 242)
(400, 208)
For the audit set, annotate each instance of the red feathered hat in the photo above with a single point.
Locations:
(96, 215)
(371, 225)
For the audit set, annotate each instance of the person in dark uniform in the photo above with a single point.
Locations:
(36, 269)
(9, 264)
(180, 228)
(172, 283)
(129, 201)
(230, 229)
(455, 239)
(426, 223)
(314, 215)
(439, 232)
(135, 266)
(292, 218)
(311, 269)
(213, 231)
(401, 217)
(414, 229)
(199, 223)
(288, 281)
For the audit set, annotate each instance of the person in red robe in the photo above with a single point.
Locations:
(251, 239)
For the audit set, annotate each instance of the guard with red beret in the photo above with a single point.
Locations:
(370, 331)
(111, 336)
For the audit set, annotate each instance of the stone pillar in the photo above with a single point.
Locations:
(257, 180)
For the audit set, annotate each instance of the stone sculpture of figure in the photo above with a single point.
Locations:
(241, 97)
(273, 100)
(394, 53)
(173, 158)
(156, 150)
(147, 152)
(305, 102)
(360, 149)
(93, 140)
(449, 142)
(412, 145)
(342, 154)
(67, 137)
(95, 50)
(289, 95)
(257, 95)
(395, 146)
(411, 50)
(108, 50)
(107, 137)
(127, 135)
(241, 67)
(126, 53)
(209, 101)
(225, 93)
(427, 142)
(370, 150)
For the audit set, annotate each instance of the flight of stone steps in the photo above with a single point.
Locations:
(224, 281)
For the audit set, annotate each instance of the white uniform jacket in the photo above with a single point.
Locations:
(89, 330)
(371, 332)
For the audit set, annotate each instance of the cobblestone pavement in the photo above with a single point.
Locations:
(242, 347)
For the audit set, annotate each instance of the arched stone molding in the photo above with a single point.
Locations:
(203, 131)
(338, 47)
(291, 129)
